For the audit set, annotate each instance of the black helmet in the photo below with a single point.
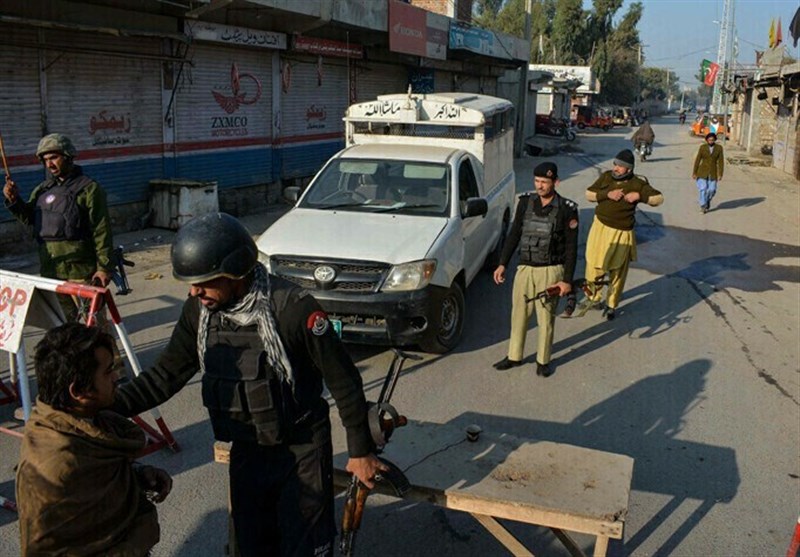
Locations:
(211, 246)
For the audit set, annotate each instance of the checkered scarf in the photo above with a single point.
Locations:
(254, 307)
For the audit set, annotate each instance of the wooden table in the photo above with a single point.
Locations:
(500, 476)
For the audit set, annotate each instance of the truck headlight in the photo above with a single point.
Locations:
(409, 276)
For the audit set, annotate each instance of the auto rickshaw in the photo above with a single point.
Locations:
(710, 123)
(586, 117)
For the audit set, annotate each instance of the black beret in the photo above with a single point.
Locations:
(546, 170)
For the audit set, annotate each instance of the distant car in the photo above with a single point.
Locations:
(709, 123)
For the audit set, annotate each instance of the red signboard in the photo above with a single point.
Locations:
(407, 29)
(326, 47)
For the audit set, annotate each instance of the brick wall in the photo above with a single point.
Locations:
(458, 9)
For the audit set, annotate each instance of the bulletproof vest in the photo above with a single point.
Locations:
(57, 215)
(243, 393)
(538, 235)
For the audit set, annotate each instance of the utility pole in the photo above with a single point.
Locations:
(523, 85)
(725, 24)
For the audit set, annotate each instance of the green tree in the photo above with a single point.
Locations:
(617, 66)
(568, 30)
(659, 84)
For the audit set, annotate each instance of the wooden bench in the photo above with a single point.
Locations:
(501, 476)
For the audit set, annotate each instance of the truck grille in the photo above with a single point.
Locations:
(350, 276)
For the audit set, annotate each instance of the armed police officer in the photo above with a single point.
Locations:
(69, 218)
(546, 229)
(264, 347)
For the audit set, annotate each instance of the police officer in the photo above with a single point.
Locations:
(69, 217)
(546, 229)
(264, 347)
(611, 244)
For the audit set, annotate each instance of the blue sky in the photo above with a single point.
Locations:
(679, 33)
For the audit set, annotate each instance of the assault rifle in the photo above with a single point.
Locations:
(589, 288)
(383, 419)
(118, 275)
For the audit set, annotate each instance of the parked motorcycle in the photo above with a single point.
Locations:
(556, 127)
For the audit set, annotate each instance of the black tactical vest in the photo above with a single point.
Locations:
(539, 236)
(244, 396)
(57, 216)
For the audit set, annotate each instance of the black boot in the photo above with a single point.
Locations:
(505, 364)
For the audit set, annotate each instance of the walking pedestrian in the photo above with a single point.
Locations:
(546, 229)
(611, 245)
(263, 346)
(709, 165)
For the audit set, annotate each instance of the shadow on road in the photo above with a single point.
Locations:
(736, 203)
(644, 421)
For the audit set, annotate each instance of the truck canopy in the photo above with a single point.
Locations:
(479, 124)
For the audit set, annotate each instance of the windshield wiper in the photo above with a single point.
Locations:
(413, 206)
(345, 205)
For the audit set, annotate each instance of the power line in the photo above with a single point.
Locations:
(682, 55)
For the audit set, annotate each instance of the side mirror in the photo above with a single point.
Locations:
(291, 194)
(475, 207)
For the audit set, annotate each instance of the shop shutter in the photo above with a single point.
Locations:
(20, 107)
(223, 124)
(313, 102)
(374, 79)
(110, 106)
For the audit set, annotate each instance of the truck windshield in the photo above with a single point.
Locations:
(381, 186)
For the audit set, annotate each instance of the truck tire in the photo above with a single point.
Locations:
(448, 324)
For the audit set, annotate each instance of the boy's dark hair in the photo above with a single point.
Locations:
(64, 356)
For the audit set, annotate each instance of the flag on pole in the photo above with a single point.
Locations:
(709, 71)
(772, 33)
(794, 27)
(778, 34)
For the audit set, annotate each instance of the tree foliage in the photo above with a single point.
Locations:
(562, 32)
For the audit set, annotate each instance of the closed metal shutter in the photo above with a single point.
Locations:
(489, 86)
(443, 81)
(20, 107)
(380, 79)
(223, 123)
(110, 106)
(312, 108)
(468, 83)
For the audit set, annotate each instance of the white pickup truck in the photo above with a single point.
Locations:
(392, 230)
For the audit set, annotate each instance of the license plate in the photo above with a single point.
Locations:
(337, 327)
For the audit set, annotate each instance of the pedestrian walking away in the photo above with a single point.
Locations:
(69, 218)
(264, 347)
(78, 490)
(709, 165)
(546, 229)
(611, 244)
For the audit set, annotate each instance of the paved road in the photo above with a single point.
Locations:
(697, 379)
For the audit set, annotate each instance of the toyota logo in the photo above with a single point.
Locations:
(324, 274)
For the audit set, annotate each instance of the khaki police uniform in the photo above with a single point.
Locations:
(547, 237)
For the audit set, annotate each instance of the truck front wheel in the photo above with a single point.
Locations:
(447, 323)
